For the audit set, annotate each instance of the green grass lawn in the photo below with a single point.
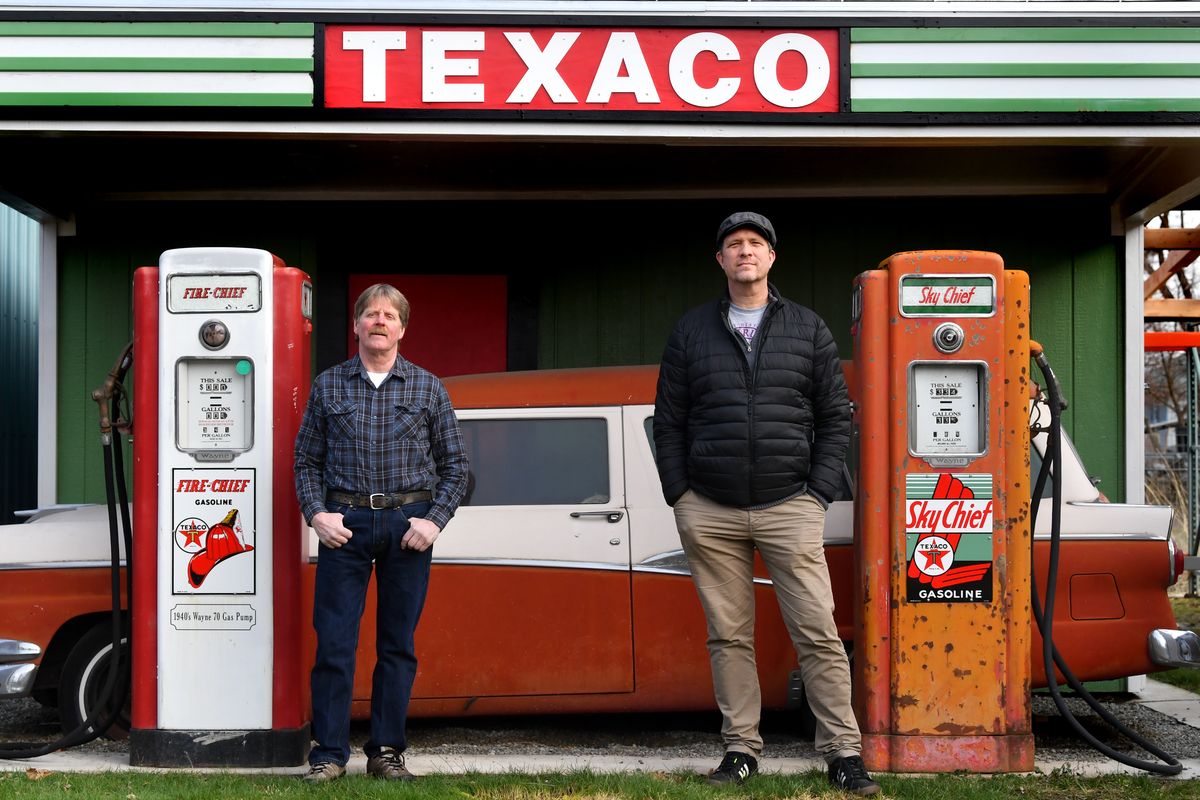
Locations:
(1187, 616)
(584, 786)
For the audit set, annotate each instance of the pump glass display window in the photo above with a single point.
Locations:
(214, 398)
(947, 401)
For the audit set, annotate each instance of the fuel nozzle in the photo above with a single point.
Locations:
(1039, 355)
(111, 396)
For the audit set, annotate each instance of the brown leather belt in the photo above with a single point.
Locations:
(378, 501)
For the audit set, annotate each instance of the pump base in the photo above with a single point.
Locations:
(259, 748)
(998, 753)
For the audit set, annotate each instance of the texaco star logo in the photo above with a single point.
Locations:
(933, 555)
(189, 534)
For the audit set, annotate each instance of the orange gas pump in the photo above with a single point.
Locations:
(942, 539)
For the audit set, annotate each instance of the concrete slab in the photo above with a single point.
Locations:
(456, 765)
(1177, 703)
(1166, 699)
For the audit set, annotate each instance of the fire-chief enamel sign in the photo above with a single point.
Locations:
(214, 526)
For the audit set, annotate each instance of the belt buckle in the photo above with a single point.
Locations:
(382, 498)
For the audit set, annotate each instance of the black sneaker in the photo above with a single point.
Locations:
(735, 768)
(850, 774)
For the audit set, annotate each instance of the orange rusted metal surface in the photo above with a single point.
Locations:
(603, 386)
(1012, 526)
(872, 505)
(942, 681)
(593, 386)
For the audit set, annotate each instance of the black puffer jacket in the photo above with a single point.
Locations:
(746, 438)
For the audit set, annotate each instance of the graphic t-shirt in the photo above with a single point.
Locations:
(746, 321)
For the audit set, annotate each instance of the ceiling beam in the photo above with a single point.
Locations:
(1172, 238)
(1167, 310)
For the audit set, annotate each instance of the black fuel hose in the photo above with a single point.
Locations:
(111, 698)
(1045, 616)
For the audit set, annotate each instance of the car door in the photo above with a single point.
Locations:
(530, 593)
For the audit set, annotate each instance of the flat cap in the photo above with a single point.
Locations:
(746, 219)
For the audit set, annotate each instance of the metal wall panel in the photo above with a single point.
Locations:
(20, 255)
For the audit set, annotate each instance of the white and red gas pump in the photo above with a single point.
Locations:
(222, 362)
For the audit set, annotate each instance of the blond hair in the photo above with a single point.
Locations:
(387, 292)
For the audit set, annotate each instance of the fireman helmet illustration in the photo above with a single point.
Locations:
(221, 543)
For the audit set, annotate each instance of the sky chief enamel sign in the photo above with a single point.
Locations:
(948, 537)
(518, 68)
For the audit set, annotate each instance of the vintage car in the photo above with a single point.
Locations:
(560, 586)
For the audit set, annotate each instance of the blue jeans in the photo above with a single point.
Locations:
(401, 578)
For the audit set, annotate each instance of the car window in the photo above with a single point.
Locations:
(515, 462)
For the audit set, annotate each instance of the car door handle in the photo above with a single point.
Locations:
(611, 516)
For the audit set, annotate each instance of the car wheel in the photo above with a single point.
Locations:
(84, 676)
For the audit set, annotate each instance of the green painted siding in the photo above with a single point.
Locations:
(608, 280)
(96, 318)
(615, 302)
(96, 323)
(20, 263)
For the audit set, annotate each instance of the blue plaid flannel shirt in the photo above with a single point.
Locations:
(400, 437)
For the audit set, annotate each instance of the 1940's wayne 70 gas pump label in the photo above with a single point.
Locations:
(214, 530)
(948, 536)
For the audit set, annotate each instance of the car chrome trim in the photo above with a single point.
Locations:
(16, 680)
(1132, 537)
(670, 561)
(15, 650)
(686, 573)
(1170, 648)
(674, 562)
(532, 562)
(59, 565)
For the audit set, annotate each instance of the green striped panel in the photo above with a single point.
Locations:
(199, 52)
(920, 485)
(100, 64)
(278, 100)
(221, 29)
(971, 547)
(1064, 34)
(949, 280)
(910, 70)
(968, 60)
(1017, 105)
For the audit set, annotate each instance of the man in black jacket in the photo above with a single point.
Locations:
(751, 425)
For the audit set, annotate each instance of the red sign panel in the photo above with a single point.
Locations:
(459, 323)
(550, 69)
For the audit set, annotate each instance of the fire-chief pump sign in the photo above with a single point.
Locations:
(590, 69)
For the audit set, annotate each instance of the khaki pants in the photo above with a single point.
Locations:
(719, 542)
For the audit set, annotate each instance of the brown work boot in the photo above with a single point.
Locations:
(323, 772)
(389, 765)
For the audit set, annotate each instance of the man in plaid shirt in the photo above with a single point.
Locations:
(380, 470)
